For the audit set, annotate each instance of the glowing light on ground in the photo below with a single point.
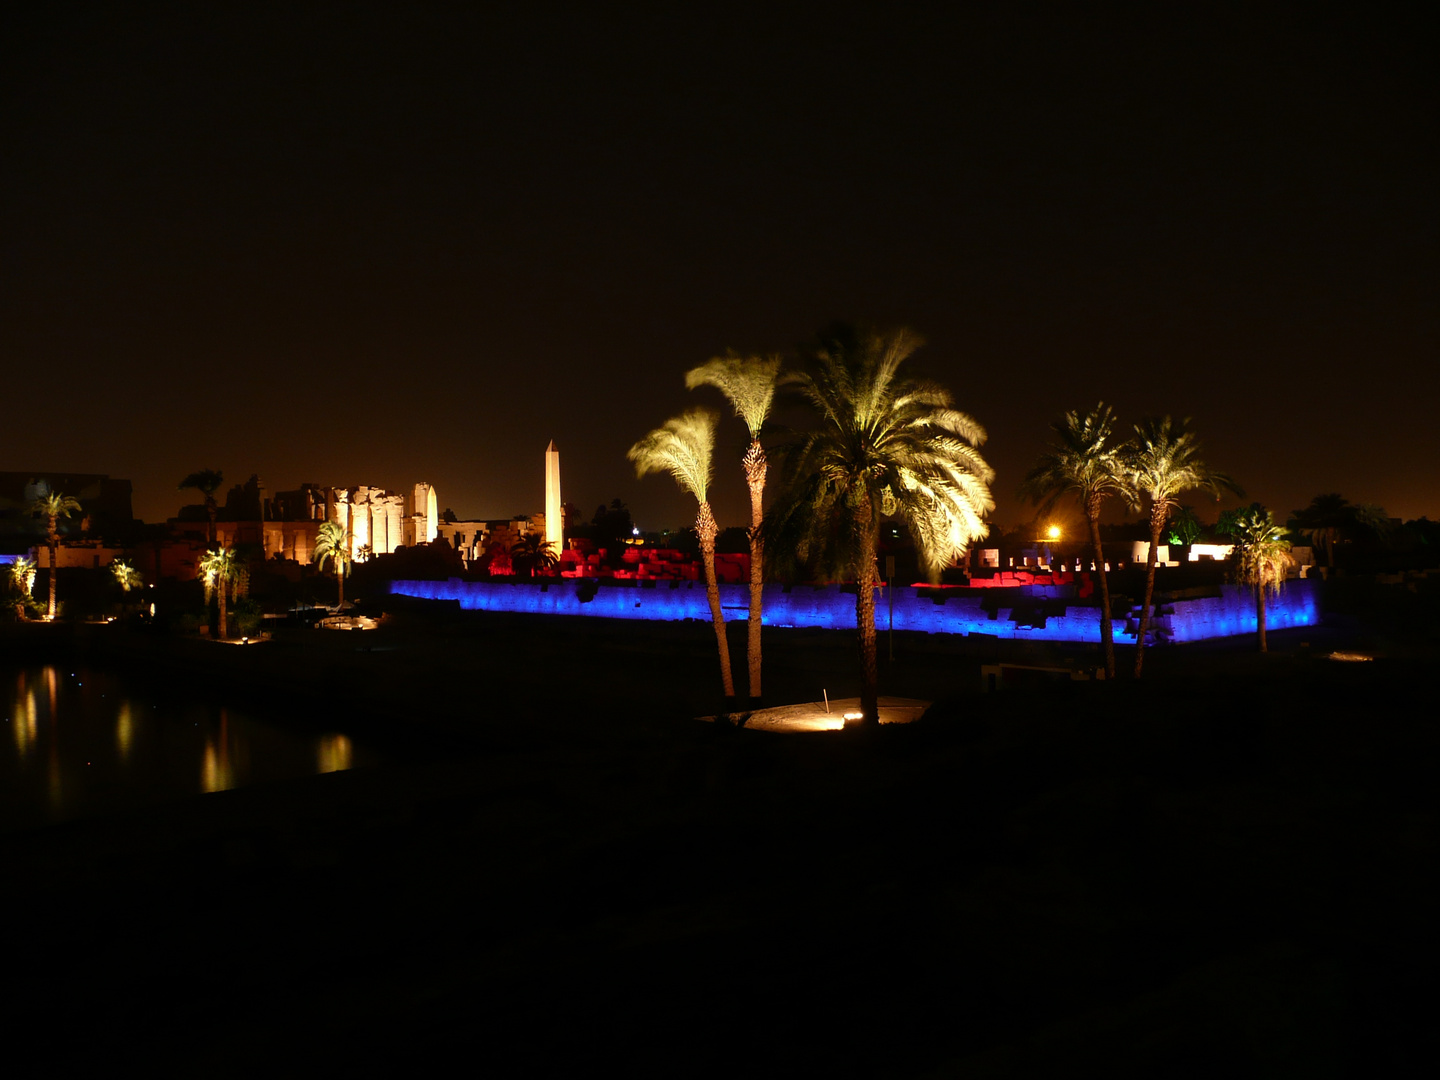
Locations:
(813, 715)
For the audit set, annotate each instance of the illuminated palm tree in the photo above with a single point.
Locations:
(1163, 461)
(218, 569)
(207, 482)
(52, 506)
(125, 575)
(884, 446)
(749, 383)
(1261, 555)
(1085, 462)
(22, 576)
(331, 543)
(683, 448)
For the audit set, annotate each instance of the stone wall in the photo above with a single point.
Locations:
(1001, 613)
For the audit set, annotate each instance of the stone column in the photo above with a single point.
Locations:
(554, 513)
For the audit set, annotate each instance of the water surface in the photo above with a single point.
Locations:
(78, 742)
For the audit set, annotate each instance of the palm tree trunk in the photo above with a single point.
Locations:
(865, 617)
(1260, 613)
(1155, 523)
(220, 588)
(1107, 632)
(54, 570)
(755, 467)
(707, 529)
(340, 580)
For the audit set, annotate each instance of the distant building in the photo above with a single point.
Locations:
(286, 525)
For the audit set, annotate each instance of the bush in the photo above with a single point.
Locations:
(249, 616)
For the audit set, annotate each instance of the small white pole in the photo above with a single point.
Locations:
(827, 700)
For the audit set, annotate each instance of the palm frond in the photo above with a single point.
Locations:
(884, 446)
(683, 447)
(1084, 461)
(1164, 460)
(748, 381)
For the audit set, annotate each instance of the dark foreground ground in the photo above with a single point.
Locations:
(1225, 870)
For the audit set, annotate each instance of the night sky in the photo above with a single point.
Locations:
(378, 248)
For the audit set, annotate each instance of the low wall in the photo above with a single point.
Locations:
(1021, 615)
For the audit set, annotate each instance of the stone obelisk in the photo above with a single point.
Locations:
(554, 515)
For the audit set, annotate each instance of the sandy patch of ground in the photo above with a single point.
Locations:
(814, 715)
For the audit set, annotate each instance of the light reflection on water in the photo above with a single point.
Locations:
(82, 743)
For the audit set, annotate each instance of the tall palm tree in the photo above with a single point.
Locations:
(749, 383)
(883, 446)
(1085, 461)
(331, 543)
(218, 569)
(1261, 555)
(1163, 461)
(683, 448)
(52, 506)
(207, 482)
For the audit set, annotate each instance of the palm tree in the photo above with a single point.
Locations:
(1085, 462)
(683, 448)
(332, 543)
(1332, 519)
(535, 553)
(1325, 522)
(207, 482)
(1163, 461)
(884, 446)
(22, 576)
(1261, 555)
(52, 506)
(749, 383)
(125, 575)
(218, 568)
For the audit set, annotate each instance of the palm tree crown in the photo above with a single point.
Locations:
(53, 506)
(683, 448)
(330, 545)
(1262, 554)
(1084, 461)
(748, 381)
(126, 576)
(885, 446)
(207, 482)
(1164, 460)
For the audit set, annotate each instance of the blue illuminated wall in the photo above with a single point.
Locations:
(1029, 614)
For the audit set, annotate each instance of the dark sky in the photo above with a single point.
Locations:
(378, 248)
